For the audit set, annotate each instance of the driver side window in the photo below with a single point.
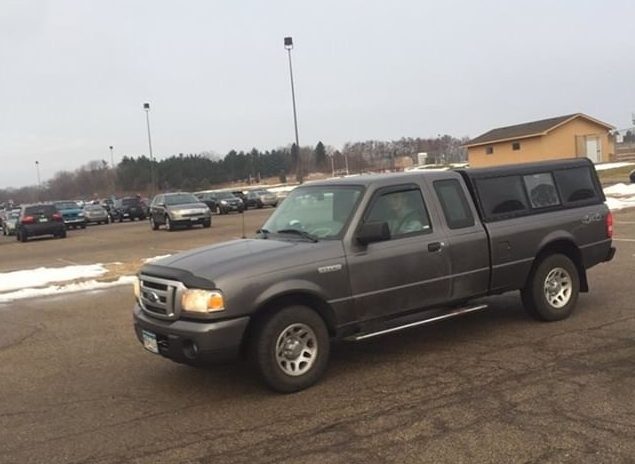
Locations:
(404, 211)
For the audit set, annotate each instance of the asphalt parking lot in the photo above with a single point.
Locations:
(494, 386)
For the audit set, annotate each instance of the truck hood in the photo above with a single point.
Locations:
(244, 259)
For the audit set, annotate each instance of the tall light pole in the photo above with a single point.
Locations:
(146, 108)
(112, 157)
(288, 45)
(37, 170)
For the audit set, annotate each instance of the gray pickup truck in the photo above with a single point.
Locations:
(359, 257)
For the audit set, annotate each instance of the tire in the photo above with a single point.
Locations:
(153, 224)
(282, 372)
(207, 224)
(23, 236)
(62, 234)
(83, 226)
(552, 290)
(168, 224)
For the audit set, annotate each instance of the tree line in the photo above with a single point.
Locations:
(192, 172)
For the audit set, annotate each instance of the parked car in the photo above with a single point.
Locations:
(260, 199)
(10, 221)
(38, 220)
(209, 198)
(72, 213)
(96, 214)
(178, 209)
(226, 202)
(631, 176)
(128, 208)
(356, 258)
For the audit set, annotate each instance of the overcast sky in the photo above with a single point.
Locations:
(75, 74)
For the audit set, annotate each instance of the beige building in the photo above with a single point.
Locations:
(570, 136)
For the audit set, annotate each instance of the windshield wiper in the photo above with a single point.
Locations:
(301, 233)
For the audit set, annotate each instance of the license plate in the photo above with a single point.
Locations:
(150, 341)
(44, 220)
(126, 215)
(193, 219)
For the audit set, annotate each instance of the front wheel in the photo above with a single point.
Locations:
(291, 349)
(168, 224)
(552, 290)
(153, 224)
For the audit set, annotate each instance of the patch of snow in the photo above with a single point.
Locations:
(15, 280)
(615, 204)
(55, 290)
(620, 189)
(605, 166)
(155, 258)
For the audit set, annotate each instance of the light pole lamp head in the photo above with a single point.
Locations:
(146, 106)
(111, 147)
(288, 43)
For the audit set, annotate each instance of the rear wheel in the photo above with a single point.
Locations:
(552, 291)
(61, 234)
(291, 348)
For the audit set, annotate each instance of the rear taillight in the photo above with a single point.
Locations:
(57, 217)
(609, 225)
(28, 220)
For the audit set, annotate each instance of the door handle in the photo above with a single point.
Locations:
(435, 246)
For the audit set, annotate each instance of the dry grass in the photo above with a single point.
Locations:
(614, 176)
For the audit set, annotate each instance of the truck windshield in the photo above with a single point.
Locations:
(321, 211)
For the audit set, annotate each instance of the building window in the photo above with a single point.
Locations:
(489, 150)
(516, 146)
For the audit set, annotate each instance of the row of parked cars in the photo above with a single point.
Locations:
(169, 210)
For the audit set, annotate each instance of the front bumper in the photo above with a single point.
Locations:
(188, 341)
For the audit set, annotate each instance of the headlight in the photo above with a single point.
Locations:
(137, 288)
(202, 301)
(80, 214)
(223, 202)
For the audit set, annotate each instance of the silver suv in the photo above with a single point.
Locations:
(178, 209)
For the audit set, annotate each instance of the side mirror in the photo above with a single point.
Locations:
(371, 232)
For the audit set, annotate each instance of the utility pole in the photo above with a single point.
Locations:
(112, 158)
(146, 108)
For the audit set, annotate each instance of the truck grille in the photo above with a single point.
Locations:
(160, 297)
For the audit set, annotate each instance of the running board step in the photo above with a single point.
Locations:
(429, 320)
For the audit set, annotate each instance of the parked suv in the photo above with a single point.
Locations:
(128, 208)
(40, 219)
(260, 199)
(10, 221)
(178, 209)
(227, 202)
(72, 213)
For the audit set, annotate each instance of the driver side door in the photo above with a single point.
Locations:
(409, 271)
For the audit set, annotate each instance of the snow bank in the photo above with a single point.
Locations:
(620, 190)
(605, 166)
(155, 258)
(56, 290)
(10, 281)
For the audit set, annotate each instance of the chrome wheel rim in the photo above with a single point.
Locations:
(558, 287)
(296, 349)
(167, 223)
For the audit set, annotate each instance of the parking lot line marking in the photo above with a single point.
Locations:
(624, 239)
(68, 261)
(624, 222)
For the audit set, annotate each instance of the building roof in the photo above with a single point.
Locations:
(529, 129)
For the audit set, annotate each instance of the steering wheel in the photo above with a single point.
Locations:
(295, 224)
